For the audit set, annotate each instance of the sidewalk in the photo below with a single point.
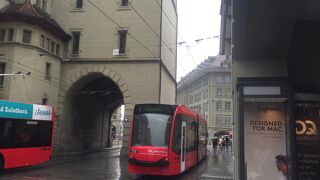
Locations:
(220, 165)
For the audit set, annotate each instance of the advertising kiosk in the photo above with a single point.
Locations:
(278, 130)
(267, 129)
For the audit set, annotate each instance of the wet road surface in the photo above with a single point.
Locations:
(110, 166)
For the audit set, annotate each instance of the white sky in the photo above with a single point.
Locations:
(198, 19)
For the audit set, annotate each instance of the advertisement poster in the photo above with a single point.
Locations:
(307, 116)
(265, 141)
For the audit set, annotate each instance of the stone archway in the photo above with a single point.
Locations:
(85, 106)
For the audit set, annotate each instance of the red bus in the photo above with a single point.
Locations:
(25, 134)
(166, 139)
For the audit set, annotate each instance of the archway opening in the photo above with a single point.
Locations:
(91, 102)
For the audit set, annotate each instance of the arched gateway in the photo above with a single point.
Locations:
(87, 99)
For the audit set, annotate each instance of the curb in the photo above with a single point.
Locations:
(216, 177)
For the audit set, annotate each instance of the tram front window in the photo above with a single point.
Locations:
(151, 129)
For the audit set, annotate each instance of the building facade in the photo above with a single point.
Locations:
(87, 58)
(208, 91)
(274, 48)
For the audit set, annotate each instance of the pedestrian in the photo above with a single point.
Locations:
(227, 140)
(214, 143)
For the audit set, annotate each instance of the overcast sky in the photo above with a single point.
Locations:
(198, 19)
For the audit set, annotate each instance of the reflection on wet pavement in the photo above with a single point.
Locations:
(111, 167)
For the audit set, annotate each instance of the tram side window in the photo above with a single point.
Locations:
(191, 136)
(191, 141)
(16, 133)
(176, 137)
(202, 134)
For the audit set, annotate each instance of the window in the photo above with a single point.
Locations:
(44, 101)
(227, 105)
(76, 41)
(18, 133)
(206, 81)
(58, 50)
(176, 142)
(79, 4)
(219, 92)
(122, 41)
(48, 43)
(38, 3)
(219, 79)
(2, 34)
(53, 46)
(10, 35)
(228, 120)
(227, 79)
(44, 5)
(48, 71)
(226, 65)
(2, 71)
(42, 39)
(227, 92)
(151, 129)
(219, 120)
(219, 105)
(124, 2)
(26, 36)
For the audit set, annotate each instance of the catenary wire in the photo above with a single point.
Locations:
(119, 26)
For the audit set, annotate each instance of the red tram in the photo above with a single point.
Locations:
(166, 139)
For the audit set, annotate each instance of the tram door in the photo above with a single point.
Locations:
(183, 147)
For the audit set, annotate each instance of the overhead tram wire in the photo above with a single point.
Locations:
(112, 20)
(58, 79)
(33, 75)
(174, 26)
(40, 75)
(134, 9)
(143, 19)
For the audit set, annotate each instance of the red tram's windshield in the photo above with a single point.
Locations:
(151, 129)
(152, 125)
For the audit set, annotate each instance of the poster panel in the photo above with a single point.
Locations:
(265, 141)
(307, 116)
